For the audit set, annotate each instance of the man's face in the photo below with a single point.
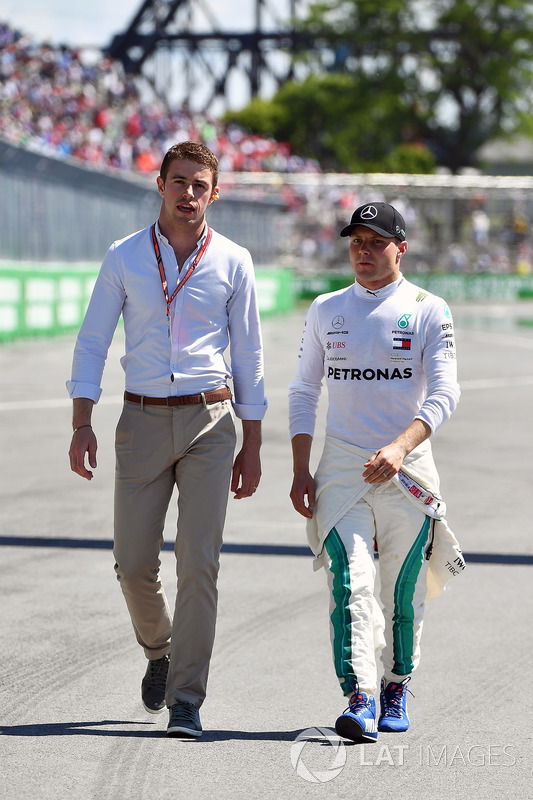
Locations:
(375, 259)
(186, 192)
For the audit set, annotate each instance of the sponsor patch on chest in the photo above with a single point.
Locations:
(400, 343)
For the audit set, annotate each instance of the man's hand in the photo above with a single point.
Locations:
(83, 438)
(386, 462)
(303, 486)
(247, 466)
(246, 474)
(83, 441)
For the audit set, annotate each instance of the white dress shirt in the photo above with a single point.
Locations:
(183, 354)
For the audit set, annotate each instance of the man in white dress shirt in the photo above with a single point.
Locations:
(186, 293)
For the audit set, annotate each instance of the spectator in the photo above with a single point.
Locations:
(52, 99)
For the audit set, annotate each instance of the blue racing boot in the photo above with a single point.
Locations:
(358, 722)
(393, 701)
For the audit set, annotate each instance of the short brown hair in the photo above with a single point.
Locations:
(193, 151)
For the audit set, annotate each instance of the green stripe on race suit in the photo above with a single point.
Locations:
(340, 617)
(402, 621)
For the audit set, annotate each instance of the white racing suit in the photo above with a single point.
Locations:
(418, 553)
(387, 357)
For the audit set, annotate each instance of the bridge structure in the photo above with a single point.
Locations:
(191, 57)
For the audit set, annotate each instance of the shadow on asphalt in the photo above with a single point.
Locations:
(241, 549)
(102, 729)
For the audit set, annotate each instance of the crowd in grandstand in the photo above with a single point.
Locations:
(55, 100)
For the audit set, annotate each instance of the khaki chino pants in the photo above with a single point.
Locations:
(157, 448)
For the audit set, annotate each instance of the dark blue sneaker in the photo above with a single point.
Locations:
(184, 720)
(393, 701)
(154, 685)
(358, 722)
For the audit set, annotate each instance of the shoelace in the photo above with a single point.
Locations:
(393, 699)
(157, 672)
(357, 702)
(186, 710)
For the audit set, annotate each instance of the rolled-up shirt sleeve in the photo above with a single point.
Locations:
(96, 332)
(246, 349)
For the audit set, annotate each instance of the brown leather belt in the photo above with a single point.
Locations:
(216, 396)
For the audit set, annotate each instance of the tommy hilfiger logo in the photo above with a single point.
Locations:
(401, 344)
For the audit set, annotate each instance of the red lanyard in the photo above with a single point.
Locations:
(187, 275)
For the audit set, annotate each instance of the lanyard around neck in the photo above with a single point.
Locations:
(187, 275)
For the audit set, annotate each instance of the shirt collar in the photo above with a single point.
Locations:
(378, 294)
(164, 239)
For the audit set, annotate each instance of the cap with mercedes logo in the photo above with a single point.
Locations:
(379, 217)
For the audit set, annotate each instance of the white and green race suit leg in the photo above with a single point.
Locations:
(402, 533)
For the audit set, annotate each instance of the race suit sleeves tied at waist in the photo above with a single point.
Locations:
(339, 485)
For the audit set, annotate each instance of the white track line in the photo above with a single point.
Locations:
(30, 405)
(496, 383)
(507, 340)
(466, 386)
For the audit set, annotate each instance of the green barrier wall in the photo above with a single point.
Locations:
(275, 290)
(47, 299)
(452, 287)
(50, 299)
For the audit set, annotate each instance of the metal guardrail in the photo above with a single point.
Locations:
(63, 209)
(59, 209)
(459, 185)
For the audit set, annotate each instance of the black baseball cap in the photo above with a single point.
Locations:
(379, 217)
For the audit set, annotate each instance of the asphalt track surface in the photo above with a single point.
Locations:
(71, 720)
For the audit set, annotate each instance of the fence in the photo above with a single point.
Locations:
(56, 210)
(53, 209)
(469, 236)
(472, 224)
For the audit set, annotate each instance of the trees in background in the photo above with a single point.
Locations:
(405, 85)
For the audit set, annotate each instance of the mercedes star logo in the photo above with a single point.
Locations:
(369, 212)
(337, 321)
